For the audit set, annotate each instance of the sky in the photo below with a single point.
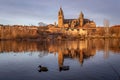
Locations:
(31, 12)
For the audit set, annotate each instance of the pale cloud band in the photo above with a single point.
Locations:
(34, 11)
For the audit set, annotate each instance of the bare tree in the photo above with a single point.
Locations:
(106, 27)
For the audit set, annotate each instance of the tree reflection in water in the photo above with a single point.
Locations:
(79, 50)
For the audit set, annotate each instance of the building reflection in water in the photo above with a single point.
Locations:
(79, 50)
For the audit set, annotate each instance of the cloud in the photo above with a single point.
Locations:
(29, 11)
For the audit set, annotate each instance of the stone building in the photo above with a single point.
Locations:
(74, 23)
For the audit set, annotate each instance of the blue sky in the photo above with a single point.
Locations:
(26, 12)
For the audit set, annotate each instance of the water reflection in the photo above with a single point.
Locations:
(79, 50)
(63, 60)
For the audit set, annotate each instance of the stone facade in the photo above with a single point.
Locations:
(74, 23)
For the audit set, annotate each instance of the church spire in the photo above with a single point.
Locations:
(81, 15)
(60, 18)
(60, 8)
(61, 11)
(81, 19)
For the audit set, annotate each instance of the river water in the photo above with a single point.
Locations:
(96, 59)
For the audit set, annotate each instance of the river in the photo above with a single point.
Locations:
(95, 59)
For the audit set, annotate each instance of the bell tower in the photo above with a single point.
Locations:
(60, 18)
(81, 19)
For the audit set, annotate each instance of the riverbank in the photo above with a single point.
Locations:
(35, 33)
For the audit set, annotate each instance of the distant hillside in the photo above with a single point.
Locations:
(42, 24)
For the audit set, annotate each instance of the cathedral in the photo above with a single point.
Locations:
(74, 23)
